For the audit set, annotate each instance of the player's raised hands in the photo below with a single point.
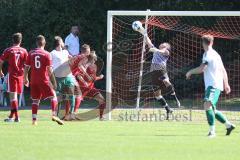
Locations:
(143, 32)
(137, 26)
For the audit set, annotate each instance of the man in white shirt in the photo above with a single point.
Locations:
(216, 80)
(65, 80)
(72, 43)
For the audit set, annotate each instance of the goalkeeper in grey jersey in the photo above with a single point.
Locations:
(160, 79)
(159, 73)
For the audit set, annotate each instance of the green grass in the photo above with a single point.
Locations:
(113, 140)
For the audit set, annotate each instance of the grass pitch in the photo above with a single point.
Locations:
(94, 140)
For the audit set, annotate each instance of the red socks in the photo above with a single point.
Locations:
(35, 106)
(54, 104)
(101, 109)
(34, 111)
(67, 108)
(78, 101)
(14, 109)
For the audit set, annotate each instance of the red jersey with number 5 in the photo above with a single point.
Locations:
(39, 60)
(16, 57)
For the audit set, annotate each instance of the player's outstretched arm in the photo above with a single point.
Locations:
(197, 70)
(52, 77)
(148, 41)
(153, 49)
(26, 71)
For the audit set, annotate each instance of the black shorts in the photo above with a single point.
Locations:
(159, 74)
(157, 80)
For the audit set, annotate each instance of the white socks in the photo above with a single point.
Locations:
(159, 97)
(212, 129)
(228, 124)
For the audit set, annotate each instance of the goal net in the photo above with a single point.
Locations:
(183, 30)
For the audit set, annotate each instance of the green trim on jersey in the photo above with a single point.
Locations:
(212, 95)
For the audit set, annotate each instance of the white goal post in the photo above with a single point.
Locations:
(110, 16)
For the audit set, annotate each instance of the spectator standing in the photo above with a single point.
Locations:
(72, 42)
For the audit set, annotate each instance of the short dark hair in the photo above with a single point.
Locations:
(40, 40)
(207, 39)
(17, 38)
(57, 40)
(84, 47)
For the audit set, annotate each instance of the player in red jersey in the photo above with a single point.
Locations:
(81, 60)
(16, 57)
(86, 77)
(42, 79)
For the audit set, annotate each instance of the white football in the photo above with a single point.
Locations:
(137, 26)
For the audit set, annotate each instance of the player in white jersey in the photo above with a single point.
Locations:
(65, 79)
(160, 79)
(216, 80)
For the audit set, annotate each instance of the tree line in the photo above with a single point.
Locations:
(55, 17)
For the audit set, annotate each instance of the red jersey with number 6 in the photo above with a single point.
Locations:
(39, 60)
(16, 57)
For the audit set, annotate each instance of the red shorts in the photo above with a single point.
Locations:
(89, 92)
(41, 91)
(15, 84)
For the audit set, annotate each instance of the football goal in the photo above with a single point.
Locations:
(128, 76)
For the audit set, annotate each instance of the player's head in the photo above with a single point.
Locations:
(92, 57)
(74, 30)
(40, 41)
(58, 42)
(85, 49)
(17, 38)
(166, 46)
(207, 40)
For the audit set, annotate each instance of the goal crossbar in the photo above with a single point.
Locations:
(174, 13)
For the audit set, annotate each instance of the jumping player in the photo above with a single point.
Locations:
(159, 70)
(16, 57)
(216, 80)
(86, 77)
(42, 79)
